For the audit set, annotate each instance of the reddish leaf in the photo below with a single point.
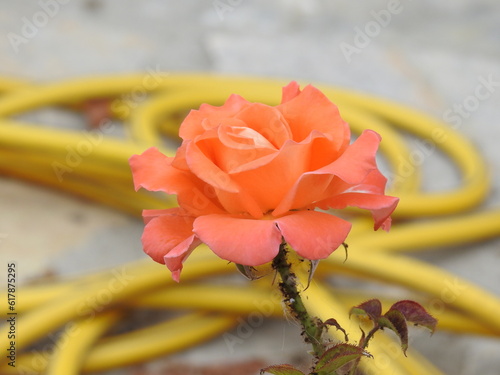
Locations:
(338, 356)
(371, 308)
(415, 313)
(333, 322)
(395, 321)
(282, 370)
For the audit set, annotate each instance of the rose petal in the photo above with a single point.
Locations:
(179, 161)
(243, 138)
(269, 183)
(357, 160)
(176, 257)
(266, 121)
(352, 167)
(309, 189)
(311, 109)
(193, 124)
(289, 92)
(148, 215)
(164, 233)
(313, 235)
(237, 203)
(229, 194)
(163, 238)
(238, 239)
(374, 183)
(234, 146)
(381, 206)
(206, 170)
(153, 171)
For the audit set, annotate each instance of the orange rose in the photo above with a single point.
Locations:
(248, 176)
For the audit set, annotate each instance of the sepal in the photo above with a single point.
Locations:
(248, 271)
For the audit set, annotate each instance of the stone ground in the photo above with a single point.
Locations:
(430, 55)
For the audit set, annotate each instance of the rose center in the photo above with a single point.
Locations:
(245, 138)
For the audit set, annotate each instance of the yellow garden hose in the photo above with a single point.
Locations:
(69, 355)
(100, 172)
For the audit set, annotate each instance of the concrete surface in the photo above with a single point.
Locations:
(430, 55)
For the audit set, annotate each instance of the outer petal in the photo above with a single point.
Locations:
(374, 183)
(381, 206)
(352, 167)
(169, 239)
(357, 161)
(238, 239)
(175, 258)
(289, 92)
(154, 171)
(313, 235)
(148, 215)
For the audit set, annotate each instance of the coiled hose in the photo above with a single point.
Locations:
(151, 108)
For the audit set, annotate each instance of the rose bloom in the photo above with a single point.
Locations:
(248, 176)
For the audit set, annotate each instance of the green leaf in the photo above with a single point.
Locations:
(395, 321)
(338, 356)
(371, 308)
(415, 313)
(282, 370)
(333, 322)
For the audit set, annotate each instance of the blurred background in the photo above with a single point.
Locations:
(426, 54)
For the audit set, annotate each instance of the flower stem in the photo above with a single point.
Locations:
(312, 326)
(363, 343)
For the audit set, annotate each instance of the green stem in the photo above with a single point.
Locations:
(312, 326)
(363, 343)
